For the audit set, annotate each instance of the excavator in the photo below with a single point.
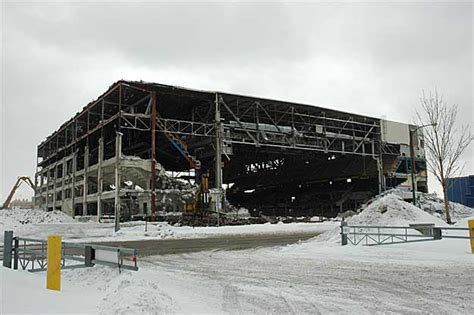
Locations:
(19, 181)
(201, 200)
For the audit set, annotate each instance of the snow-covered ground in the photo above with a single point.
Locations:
(309, 278)
(312, 277)
(40, 224)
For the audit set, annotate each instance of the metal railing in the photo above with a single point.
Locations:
(381, 235)
(32, 253)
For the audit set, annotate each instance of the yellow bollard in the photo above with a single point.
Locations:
(471, 234)
(53, 277)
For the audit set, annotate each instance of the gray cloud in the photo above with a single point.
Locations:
(368, 58)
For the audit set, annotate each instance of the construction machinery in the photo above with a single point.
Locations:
(201, 201)
(19, 181)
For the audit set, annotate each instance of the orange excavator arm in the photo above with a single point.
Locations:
(20, 179)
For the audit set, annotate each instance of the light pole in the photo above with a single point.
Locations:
(413, 164)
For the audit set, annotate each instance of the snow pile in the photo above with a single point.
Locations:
(432, 204)
(125, 294)
(14, 218)
(386, 210)
(435, 205)
(392, 210)
(24, 221)
(155, 230)
(237, 213)
(243, 213)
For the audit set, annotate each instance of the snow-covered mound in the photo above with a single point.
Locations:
(153, 230)
(386, 210)
(435, 205)
(392, 210)
(432, 204)
(13, 218)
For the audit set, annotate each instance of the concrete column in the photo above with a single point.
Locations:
(100, 179)
(85, 186)
(118, 153)
(55, 174)
(47, 189)
(73, 185)
(63, 182)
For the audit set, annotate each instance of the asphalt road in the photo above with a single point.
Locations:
(232, 242)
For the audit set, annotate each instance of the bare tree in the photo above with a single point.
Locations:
(444, 141)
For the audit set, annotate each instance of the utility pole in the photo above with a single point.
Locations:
(118, 153)
(413, 165)
(218, 176)
(153, 156)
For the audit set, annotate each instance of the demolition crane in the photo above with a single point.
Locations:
(19, 181)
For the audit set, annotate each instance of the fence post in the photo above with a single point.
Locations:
(89, 256)
(437, 234)
(343, 235)
(7, 249)
(15, 253)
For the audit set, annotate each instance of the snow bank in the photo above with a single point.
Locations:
(34, 216)
(17, 218)
(435, 205)
(243, 213)
(386, 210)
(40, 224)
(393, 210)
(160, 230)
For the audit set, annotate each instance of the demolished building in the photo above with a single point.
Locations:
(141, 148)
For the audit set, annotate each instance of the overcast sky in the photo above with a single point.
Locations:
(368, 58)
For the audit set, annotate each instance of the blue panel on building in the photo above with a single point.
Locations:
(461, 190)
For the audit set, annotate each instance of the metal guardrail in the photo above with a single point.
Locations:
(32, 253)
(381, 235)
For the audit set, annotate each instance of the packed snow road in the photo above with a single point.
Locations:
(323, 280)
(221, 242)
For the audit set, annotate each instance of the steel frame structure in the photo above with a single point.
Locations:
(72, 163)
